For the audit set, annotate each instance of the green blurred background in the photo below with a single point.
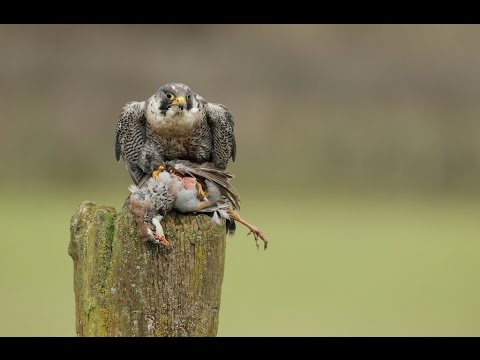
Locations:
(357, 156)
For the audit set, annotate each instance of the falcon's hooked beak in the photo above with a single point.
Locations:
(180, 102)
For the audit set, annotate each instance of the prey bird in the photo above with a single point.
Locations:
(186, 187)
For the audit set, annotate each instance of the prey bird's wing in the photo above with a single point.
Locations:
(130, 138)
(220, 121)
(217, 176)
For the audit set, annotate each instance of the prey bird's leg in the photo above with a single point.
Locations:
(253, 229)
(203, 204)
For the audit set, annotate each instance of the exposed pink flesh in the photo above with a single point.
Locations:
(189, 183)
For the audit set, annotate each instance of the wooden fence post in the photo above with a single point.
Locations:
(125, 286)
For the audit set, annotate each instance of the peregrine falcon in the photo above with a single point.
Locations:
(174, 123)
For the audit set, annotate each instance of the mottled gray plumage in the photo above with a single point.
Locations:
(174, 123)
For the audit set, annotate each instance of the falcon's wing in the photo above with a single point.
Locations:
(130, 137)
(220, 120)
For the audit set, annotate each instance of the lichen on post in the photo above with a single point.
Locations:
(125, 286)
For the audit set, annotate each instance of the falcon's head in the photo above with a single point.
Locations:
(172, 100)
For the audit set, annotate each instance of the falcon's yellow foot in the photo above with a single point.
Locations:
(201, 192)
(156, 173)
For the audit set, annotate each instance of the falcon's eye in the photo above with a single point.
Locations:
(170, 96)
(188, 96)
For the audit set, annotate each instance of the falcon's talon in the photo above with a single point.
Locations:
(156, 173)
(201, 192)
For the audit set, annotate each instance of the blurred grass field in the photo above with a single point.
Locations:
(357, 156)
(338, 264)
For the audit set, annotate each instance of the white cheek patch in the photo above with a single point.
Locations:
(152, 106)
(156, 118)
(191, 116)
(158, 227)
(169, 113)
(150, 233)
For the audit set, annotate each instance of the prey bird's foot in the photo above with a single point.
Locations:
(258, 234)
(156, 173)
(253, 229)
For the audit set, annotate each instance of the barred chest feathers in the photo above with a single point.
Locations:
(180, 135)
